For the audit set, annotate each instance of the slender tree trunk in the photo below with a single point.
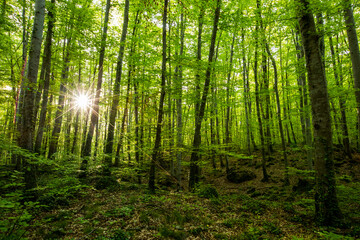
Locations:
(156, 150)
(304, 112)
(198, 61)
(257, 99)
(26, 135)
(228, 108)
(337, 72)
(59, 113)
(326, 204)
(246, 94)
(47, 64)
(179, 120)
(301, 79)
(283, 143)
(86, 151)
(215, 100)
(76, 127)
(110, 133)
(354, 53)
(195, 155)
(58, 122)
(131, 72)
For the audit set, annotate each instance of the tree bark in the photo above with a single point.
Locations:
(338, 80)
(47, 63)
(156, 150)
(354, 54)
(110, 133)
(283, 144)
(179, 120)
(257, 100)
(59, 113)
(228, 108)
(26, 135)
(326, 204)
(94, 119)
(195, 155)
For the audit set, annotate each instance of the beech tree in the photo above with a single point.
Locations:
(276, 83)
(195, 155)
(326, 204)
(113, 112)
(26, 132)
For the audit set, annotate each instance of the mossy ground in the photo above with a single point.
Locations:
(218, 209)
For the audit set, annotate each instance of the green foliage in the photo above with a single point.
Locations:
(272, 228)
(306, 203)
(306, 174)
(332, 236)
(59, 191)
(167, 232)
(355, 231)
(206, 191)
(233, 222)
(345, 178)
(106, 182)
(15, 216)
(253, 206)
(349, 199)
(252, 233)
(125, 211)
(196, 231)
(120, 235)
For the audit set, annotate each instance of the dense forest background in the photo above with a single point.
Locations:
(132, 119)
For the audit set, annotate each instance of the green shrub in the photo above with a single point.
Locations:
(124, 211)
(272, 228)
(106, 182)
(332, 236)
(206, 191)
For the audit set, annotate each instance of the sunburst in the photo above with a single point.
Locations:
(82, 101)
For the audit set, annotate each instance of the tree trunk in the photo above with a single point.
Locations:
(326, 204)
(246, 94)
(304, 112)
(354, 53)
(228, 108)
(127, 100)
(110, 133)
(257, 99)
(86, 151)
(156, 150)
(283, 144)
(195, 155)
(47, 63)
(59, 113)
(198, 62)
(26, 135)
(344, 128)
(179, 121)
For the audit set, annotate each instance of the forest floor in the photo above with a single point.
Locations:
(218, 209)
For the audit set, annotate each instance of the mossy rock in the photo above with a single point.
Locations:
(240, 176)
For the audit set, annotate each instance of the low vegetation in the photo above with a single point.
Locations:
(119, 207)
